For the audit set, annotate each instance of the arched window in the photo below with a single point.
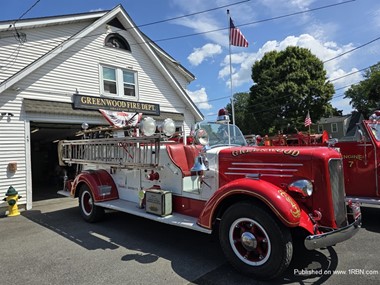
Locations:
(114, 40)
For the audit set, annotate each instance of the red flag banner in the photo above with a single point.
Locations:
(307, 119)
(121, 119)
(236, 37)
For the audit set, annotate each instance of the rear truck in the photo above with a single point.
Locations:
(256, 199)
(361, 157)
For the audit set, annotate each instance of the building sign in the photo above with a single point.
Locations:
(90, 102)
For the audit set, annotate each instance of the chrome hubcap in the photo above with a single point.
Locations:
(249, 241)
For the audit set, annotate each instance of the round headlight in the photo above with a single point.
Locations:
(303, 186)
(148, 126)
(201, 137)
(84, 126)
(168, 127)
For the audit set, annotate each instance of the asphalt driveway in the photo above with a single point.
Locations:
(51, 244)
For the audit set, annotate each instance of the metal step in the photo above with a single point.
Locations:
(173, 219)
(364, 200)
(64, 193)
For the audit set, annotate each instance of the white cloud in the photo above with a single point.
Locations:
(200, 98)
(302, 4)
(342, 78)
(201, 54)
(284, 6)
(242, 62)
(225, 71)
(345, 80)
(323, 50)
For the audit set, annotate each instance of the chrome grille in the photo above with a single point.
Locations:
(338, 192)
(272, 169)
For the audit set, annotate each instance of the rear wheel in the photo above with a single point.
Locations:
(254, 242)
(89, 211)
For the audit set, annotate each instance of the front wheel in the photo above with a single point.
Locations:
(254, 242)
(89, 211)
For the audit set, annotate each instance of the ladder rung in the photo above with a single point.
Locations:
(130, 152)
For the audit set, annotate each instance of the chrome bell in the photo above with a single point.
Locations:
(199, 164)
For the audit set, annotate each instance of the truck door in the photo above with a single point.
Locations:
(360, 165)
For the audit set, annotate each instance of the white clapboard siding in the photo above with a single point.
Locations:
(12, 147)
(16, 55)
(180, 78)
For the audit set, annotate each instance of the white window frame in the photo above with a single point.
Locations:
(119, 82)
(334, 127)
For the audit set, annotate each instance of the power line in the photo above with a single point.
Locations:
(349, 74)
(138, 26)
(297, 13)
(23, 14)
(256, 22)
(20, 37)
(215, 30)
(27, 11)
(192, 14)
(352, 50)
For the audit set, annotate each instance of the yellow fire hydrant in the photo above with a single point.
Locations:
(12, 198)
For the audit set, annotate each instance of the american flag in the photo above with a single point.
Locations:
(236, 37)
(307, 119)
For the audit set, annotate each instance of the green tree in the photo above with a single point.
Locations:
(365, 96)
(241, 109)
(288, 84)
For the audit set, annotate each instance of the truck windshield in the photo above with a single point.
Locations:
(223, 134)
(375, 129)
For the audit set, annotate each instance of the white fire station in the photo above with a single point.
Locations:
(58, 72)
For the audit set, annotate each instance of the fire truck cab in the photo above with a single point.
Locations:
(361, 157)
(255, 198)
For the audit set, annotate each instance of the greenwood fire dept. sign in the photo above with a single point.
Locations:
(91, 102)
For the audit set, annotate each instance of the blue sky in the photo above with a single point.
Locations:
(327, 32)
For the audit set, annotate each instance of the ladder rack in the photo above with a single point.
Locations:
(127, 152)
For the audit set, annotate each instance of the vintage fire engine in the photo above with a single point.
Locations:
(257, 199)
(361, 156)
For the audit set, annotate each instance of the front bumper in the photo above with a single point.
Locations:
(336, 236)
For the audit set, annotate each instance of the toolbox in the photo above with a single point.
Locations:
(158, 202)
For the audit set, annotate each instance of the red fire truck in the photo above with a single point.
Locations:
(361, 156)
(257, 199)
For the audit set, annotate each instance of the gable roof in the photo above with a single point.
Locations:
(333, 119)
(156, 54)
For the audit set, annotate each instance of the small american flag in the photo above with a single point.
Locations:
(307, 119)
(236, 37)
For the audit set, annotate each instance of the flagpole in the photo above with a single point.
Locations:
(229, 51)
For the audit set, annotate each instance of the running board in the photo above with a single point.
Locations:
(364, 200)
(64, 193)
(174, 219)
